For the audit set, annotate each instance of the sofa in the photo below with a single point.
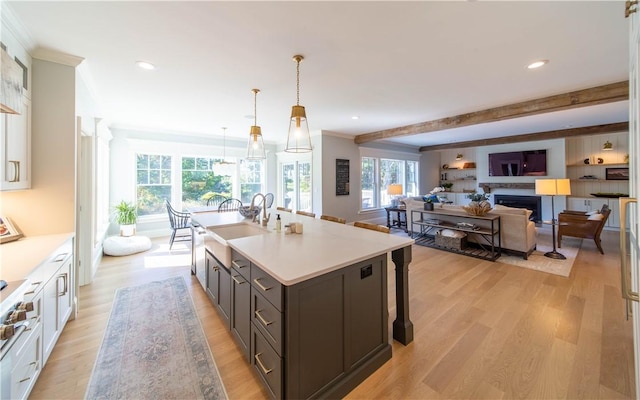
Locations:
(517, 234)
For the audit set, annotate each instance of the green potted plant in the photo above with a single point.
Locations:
(447, 186)
(478, 197)
(126, 215)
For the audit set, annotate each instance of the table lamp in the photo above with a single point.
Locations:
(553, 187)
(394, 190)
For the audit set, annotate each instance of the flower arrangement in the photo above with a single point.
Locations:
(432, 197)
(478, 197)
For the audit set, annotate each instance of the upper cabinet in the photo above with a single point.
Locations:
(15, 121)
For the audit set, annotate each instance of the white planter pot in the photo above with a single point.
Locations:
(128, 230)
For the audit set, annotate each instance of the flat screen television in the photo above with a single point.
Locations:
(518, 163)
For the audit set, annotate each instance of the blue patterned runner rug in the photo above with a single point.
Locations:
(154, 348)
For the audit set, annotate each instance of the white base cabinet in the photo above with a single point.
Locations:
(52, 295)
(56, 305)
(589, 204)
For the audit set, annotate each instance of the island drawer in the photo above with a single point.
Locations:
(268, 319)
(267, 362)
(270, 288)
(241, 264)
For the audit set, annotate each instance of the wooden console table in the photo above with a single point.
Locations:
(397, 222)
(485, 228)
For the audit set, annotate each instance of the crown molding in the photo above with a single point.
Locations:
(55, 56)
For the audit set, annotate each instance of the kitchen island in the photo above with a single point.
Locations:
(308, 310)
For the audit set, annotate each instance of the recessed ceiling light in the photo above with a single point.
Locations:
(355, 117)
(537, 64)
(145, 65)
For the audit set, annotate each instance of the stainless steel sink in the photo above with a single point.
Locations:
(216, 239)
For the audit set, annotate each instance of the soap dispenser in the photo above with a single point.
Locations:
(278, 223)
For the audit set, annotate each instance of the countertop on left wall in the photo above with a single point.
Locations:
(19, 258)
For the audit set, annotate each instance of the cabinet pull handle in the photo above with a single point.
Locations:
(65, 288)
(236, 280)
(261, 318)
(35, 286)
(16, 171)
(260, 285)
(625, 271)
(235, 264)
(25, 379)
(264, 370)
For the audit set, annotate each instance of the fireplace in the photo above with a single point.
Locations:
(533, 203)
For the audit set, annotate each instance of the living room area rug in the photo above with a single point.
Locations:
(154, 348)
(537, 261)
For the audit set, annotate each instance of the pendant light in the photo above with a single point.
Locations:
(224, 149)
(255, 147)
(298, 138)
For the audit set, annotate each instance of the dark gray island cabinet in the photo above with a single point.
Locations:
(310, 311)
(315, 339)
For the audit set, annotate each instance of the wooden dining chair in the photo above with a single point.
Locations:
(180, 225)
(333, 219)
(283, 209)
(215, 200)
(268, 199)
(230, 205)
(373, 227)
(308, 214)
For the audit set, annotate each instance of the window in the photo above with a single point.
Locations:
(202, 177)
(251, 177)
(186, 174)
(153, 182)
(378, 173)
(295, 186)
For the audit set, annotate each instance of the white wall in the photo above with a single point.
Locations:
(337, 146)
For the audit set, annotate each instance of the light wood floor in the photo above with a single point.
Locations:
(483, 330)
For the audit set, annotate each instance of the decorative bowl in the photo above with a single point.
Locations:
(248, 212)
(477, 208)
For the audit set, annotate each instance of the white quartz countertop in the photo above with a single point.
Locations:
(323, 247)
(19, 258)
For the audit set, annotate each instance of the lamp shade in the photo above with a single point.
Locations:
(553, 187)
(394, 189)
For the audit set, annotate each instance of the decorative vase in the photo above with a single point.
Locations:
(428, 206)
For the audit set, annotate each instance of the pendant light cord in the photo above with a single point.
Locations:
(255, 110)
(298, 83)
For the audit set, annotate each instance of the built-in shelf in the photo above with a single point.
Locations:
(597, 165)
(590, 180)
(459, 180)
(506, 185)
(457, 169)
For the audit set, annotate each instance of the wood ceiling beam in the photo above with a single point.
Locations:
(530, 137)
(581, 98)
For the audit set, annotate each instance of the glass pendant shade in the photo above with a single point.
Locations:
(298, 137)
(255, 147)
